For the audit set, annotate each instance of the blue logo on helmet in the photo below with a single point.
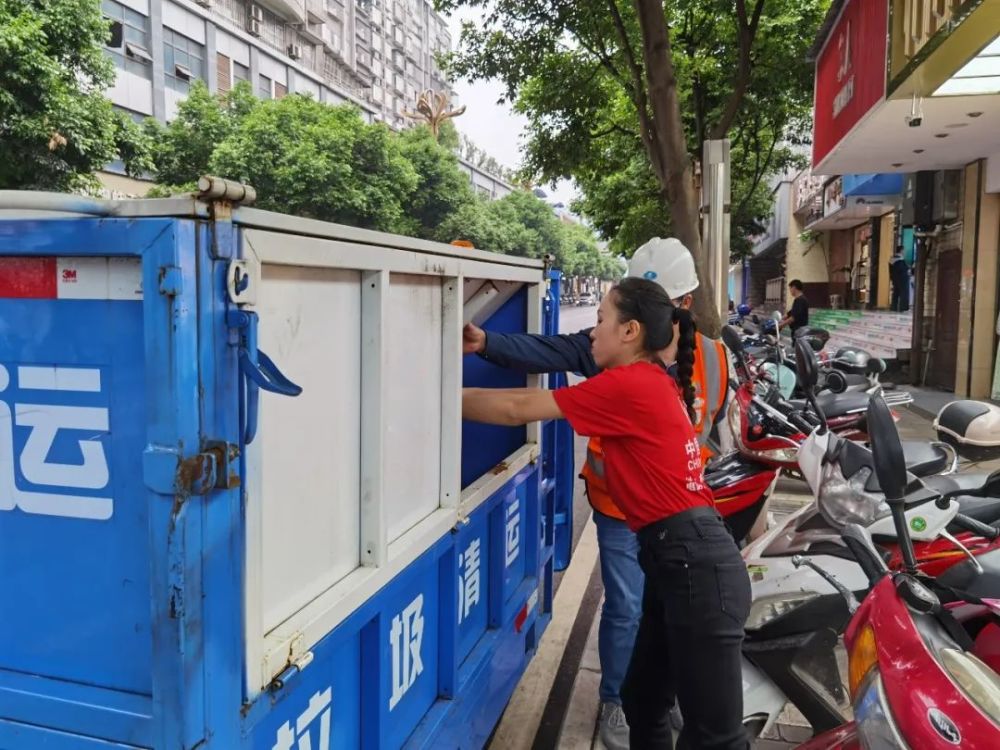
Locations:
(649, 275)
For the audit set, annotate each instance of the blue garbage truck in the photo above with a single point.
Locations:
(239, 507)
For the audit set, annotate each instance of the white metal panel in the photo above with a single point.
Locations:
(374, 382)
(344, 497)
(132, 92)
(310, 464)
(413, 401)
(305, 85)
(232, 47)
(172, 99)
(139, 6)
(275, 70)
(184, 22)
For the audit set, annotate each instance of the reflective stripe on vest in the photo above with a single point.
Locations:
(710, 376)
(597, 486)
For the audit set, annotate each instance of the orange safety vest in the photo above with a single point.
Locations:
(711, 385)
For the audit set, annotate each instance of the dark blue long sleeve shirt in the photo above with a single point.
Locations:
(534, 353)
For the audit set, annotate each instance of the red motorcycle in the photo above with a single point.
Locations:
(924, 652)
(741, 487)
(769, 429)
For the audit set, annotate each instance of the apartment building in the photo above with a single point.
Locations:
(378, 54)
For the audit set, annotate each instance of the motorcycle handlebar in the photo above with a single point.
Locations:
(976, 527)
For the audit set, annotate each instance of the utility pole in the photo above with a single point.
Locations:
(716, 218)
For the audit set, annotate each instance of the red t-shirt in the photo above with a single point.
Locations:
(651, 456)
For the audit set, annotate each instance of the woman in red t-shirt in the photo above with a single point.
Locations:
(697, 593)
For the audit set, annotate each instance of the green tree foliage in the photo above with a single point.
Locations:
(442, 187)
(621, 96)
(325, 162)
(185, 146)
(56, 126)
(310, 159)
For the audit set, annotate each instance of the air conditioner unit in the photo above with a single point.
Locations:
(204, 3)
(295, 51)
(254, 27)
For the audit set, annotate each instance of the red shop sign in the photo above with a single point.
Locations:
(850, 73)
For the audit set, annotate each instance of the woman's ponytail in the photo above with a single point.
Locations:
(686, 345)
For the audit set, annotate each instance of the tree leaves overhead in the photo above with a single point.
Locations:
(621, 96)
(56, 126)
(325, 162)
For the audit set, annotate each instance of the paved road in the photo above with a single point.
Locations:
(571, 320)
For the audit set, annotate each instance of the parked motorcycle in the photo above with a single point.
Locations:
(794, 622)
(761, 427)
(924, 652)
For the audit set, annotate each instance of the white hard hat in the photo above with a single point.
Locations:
(668, 263)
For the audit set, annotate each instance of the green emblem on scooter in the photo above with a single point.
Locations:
(919, 524)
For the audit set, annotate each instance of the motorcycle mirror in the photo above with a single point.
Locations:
(805, 366)
(890, 468)
(887, 450)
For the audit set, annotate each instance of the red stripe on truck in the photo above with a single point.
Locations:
(28, 278)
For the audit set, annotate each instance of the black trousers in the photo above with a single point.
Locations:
(695, 603)
(900, 298)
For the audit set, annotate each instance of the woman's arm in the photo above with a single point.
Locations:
(510, 406)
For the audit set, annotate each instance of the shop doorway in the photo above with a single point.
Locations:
(944, 358)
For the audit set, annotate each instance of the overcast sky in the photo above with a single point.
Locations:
(493, 127)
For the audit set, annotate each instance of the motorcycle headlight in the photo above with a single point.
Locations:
(876, 727)
(843, 501)
(770, 608)
(977, 680)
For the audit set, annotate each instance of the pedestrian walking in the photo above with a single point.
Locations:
(798, 315)
(696, 594)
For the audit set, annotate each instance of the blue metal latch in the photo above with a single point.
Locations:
(258, 371)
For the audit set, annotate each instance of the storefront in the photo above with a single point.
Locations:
(912, 87)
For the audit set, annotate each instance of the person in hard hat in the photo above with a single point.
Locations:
(696, 594)
(669, 264)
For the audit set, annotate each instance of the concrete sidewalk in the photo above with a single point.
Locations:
(579, 728)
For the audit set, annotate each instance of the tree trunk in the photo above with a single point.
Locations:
(671, 162)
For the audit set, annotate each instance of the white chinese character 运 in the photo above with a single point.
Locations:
(45, 420)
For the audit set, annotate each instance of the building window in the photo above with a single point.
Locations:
(229, 73)
(280, 90)
(240, 72)
(223, 73)
(183, 60)
(129, 42)
(264, 90)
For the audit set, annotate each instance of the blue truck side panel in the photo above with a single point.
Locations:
(121, 576)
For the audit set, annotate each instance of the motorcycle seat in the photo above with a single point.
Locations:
(836, 404)
(965, 577)
(971, 482)
(922, 459)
